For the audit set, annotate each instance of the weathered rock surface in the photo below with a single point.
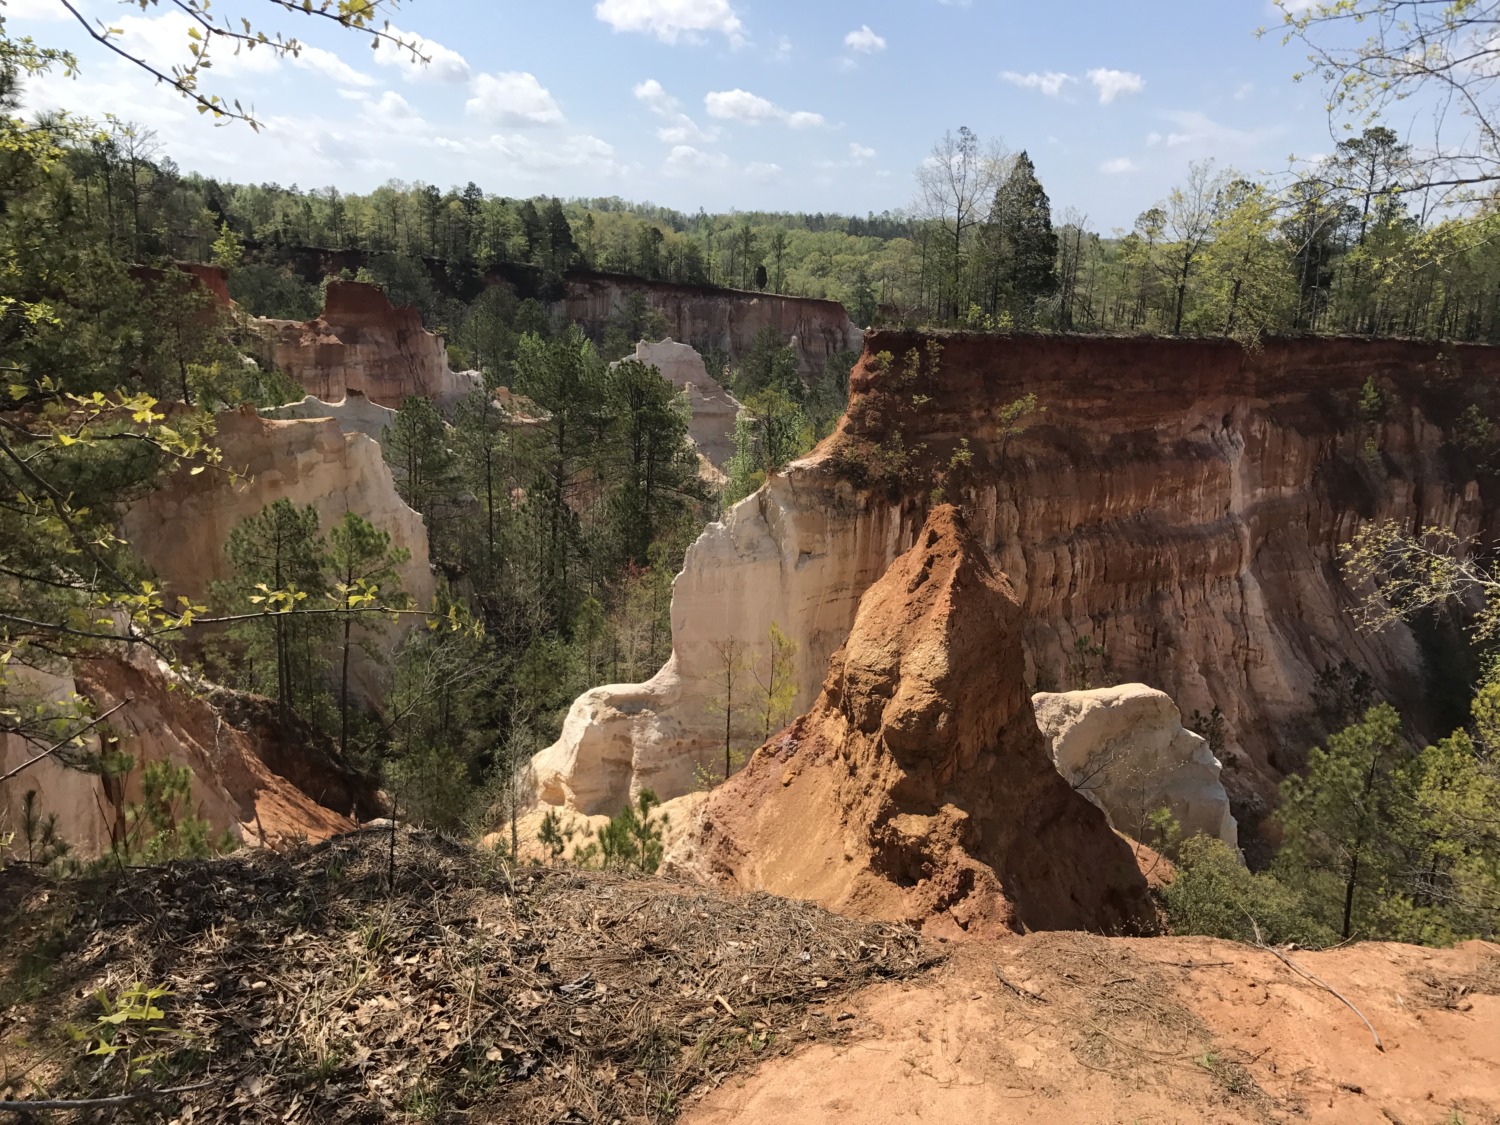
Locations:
(180, 529)
(246, 780)
(727, 319)
(918, 788)
(362, 345)
(1125, 749)
(1180, 502)
(714, 409)
(355, 414)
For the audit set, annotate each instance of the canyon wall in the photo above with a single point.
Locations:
(180, 529)
(705, 317)
(258, 786)
(1180, 503)
(362, 345)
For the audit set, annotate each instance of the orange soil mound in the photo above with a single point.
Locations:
(1070, 1029)
(918, 788)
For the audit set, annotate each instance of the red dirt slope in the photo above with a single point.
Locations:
(918, 788)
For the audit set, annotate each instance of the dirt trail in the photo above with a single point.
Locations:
(1053, 1029)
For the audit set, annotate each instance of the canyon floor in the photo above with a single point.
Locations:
(307, 988)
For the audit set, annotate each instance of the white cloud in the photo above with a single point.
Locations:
(1119, 166)
(865, 41)
(673, 20)
(1112, 84)
(679, 128)
(533, 160)
(685, 160)
(1243, 91)
(782, 52)
(741, 105)
(514, 98)
(1199, 132)
(763, 172)
(330, 65)
(1050, 82)
(35, 10)
(443, 63)
(857, 156)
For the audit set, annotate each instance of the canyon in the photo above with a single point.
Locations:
(361, 344)
(918, 789)
(1169, 514)
(707, 317)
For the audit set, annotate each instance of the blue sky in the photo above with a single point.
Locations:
(727, 104)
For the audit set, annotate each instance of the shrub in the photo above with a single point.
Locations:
(1215, 895)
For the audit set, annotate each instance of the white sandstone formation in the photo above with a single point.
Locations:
(180, 529)
(1126, 750)
(780, 556)
(714, 409)
(354, 413)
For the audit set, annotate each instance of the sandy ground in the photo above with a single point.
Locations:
(1053, 1029)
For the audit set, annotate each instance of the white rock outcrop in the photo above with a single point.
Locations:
(781, 556)
(714, 409)
(354, 413)
(1126, 750)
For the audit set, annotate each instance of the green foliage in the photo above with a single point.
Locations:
(1018, 246)
(776, 677)
(1215, 895)
(265, 289)
(1340, 821)
(227, 250)
(131, 1031)
(655, 470)
(1085, 662)
(161, 826)
(281, 562)
(770, 363)
(770, 432)
(632, 840)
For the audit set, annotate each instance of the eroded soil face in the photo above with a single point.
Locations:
(1063, 1028)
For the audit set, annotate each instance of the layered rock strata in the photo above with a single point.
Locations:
(360, 344)
(918, 788)
(727, 319)
(1179, 505)
(1125, 749)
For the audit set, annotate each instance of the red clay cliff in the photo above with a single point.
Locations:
(918, 788)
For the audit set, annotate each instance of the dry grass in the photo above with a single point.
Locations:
(311, 992)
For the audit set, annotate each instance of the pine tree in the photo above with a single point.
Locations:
(416, 447)
(658, 469)
(1021, 244)
(1341, 819)
(280, 559)
(565, 378)
(365, 569)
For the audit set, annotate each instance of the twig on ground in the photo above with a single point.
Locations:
(1323, 984)
(62, 1105)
